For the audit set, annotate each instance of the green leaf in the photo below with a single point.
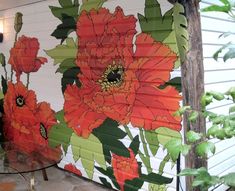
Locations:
(155, 187)
(175, 82)
(60, 133)
(171, 42)
(133, 185)
(204, 148)
(229, 54)
(4, 85)
(188, 172)
(232, 109)
(105, 182)
(217, 8)
(164, 135)
(87, 5)
(70, 77)
(212, 131)
(66, 64)
(154, 23)
(192, 136)
(67, 8)
(220, 134)
(63, 30)
(89, 150)
(216, 54)
(219, 119)
(182, 110)
(185, 149)
(206, 99)
(217, 95)
(193, 116)
(63, 51)
(152, 140)
(231, 92)
(180, 27)
(134, 146)
(2, 59)
(156, 179)
(109, 173)
(229, 179)
(174, 148)
(1, 94)
(110, 139)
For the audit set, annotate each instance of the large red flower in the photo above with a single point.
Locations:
(18, 120)
(23, 56)
(45, 120)
(20, 104)
(125, 168)
(120, 81)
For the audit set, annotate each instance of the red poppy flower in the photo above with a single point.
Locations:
(72, 168)
(19, 135)
(45, 120)
(125, 168)
(20, 104)
(120, 81)
(23, 56)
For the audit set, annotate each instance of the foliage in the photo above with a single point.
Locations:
(89, 151)
(67, 13)
(60, 133)
(221, 126)
(226, 7)
(181, 33)
(154, 23)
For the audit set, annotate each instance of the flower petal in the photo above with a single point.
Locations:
(81, 118)
(154, 108)
(154, 60)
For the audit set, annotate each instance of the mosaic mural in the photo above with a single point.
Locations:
(119, 98)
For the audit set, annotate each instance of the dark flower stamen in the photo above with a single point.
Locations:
(20, 102)
(43, 131)
(112, 77)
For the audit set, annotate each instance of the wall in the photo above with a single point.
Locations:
(219, 76)
(82, 154)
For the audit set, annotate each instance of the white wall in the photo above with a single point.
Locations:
(219, 76)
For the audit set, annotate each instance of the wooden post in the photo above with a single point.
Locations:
(193, 80)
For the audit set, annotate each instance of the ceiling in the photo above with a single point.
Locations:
(6, 4)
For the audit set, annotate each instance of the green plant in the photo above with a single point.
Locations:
(221, 126)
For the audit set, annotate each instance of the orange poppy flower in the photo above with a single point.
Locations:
(23, 56)
(45, 120)
(20, 104)
(125, 168)
(120, 79)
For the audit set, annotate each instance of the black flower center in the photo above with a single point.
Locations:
(112, 77)
(20, 102)
(43, 131)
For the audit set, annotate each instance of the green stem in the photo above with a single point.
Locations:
(128, 132)
(147, 157)
(27, 84)
(11, 73)
(5, 70)
(163, 163)
(144, 142)
(143, 157)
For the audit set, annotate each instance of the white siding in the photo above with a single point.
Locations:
(219, 76)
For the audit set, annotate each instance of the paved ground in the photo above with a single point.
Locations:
(59, 180)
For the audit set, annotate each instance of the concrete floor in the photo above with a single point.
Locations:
(59, 180)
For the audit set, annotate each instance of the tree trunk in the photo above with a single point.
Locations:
(193, 80)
